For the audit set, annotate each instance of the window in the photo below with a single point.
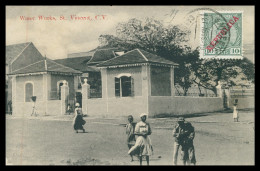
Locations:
(124, 86)
(28, 92)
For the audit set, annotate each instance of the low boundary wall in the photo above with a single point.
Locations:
(183, 105)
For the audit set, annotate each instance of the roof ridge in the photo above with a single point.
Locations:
(99, 50)
(107, 48)
(28, 65)
(61, 65)
(20, 52)
(117, 56)
(159, 56)
(142, 54)
(74, 58)
(18, 44)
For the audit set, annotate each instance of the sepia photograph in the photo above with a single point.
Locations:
(130, 85)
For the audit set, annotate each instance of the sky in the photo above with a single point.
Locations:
(57, 38)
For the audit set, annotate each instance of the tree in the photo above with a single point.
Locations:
(153, 36)
(209, 73)
(169, 42)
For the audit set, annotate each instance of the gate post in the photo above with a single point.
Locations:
(64, 97)
(85, 96)
(219, 89)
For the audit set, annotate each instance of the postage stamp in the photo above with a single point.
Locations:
(221, 35)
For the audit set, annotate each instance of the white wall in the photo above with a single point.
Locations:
(184, 105)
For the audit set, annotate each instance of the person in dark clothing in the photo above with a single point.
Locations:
(184, 135)
(78, 121)
(10, 106)
(188, 147)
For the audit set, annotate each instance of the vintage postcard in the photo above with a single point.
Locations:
(130, 85)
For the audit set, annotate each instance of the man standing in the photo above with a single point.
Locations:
(188, 147)
(184, 135)
(178, 134)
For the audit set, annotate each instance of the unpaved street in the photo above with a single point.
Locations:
(52, 141)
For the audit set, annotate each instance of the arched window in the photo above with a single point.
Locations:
(28, 91)
(124, 85)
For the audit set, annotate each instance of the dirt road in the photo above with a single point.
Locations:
(218, 141)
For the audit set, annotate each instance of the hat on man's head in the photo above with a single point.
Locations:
(77, 105)
(181, 119)
(143, 114)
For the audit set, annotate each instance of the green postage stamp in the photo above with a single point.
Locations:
(221, 35)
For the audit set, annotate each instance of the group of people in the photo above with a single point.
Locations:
(141, 146)
(139, 142)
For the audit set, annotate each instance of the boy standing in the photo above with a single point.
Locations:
(130, 128)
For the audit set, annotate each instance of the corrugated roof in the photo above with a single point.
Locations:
(134, 57)
(14, 50)
(78, 63)
(49, 66)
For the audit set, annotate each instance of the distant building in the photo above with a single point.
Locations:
(34, 75)
(86, 62)
(18, 56)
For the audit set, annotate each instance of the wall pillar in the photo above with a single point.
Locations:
(219, 89)
(85, 96)
(172, 81)
(104, 87)
(146, 86)
(64, 97)
(46, 86)
(104, 82)
(228, 97)
(14, 95)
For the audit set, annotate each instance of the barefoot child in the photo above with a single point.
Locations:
(235, 112)
(130, 127)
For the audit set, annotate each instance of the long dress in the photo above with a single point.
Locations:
(235, 113)
(143, 145)
(78, 121)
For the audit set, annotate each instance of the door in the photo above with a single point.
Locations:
(79, 98)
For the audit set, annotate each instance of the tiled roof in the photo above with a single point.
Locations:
(14, 50)
(102, 55)
(134, 57)
(51, 66)
(77, 63)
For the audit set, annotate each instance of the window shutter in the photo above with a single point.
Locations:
(132, 87)
(117, 87)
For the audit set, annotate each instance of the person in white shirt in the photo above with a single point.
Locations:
(143, 145)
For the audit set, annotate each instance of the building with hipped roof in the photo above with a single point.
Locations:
(130, 82)
(87, 62)
(34, 75)
(15, 58)
(141, 82)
